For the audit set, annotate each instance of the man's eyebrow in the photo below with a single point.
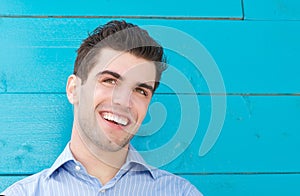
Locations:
(118, 76)
(144, 85)
(114, 74)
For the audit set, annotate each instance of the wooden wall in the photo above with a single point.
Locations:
(255, 45)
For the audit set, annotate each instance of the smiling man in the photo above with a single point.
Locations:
(117, 70)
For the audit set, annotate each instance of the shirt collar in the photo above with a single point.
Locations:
(134, 162)
(64, 157)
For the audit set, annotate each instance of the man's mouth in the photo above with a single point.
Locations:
(117, 119)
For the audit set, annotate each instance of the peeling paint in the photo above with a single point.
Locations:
(257, 135)
(27, 147)
(2, 143)
(19, 159)
(248, 105)
(3, 82)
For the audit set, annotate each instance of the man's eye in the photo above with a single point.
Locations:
(110, 81)
(141, 91)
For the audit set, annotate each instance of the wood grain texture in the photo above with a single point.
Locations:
(248, 185)
(252, 57)
(6, 181)
(155, 8)
(272, 10)
(253, 139)
(255, 44)
(34, 130)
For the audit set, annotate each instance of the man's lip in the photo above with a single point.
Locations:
(118, 114)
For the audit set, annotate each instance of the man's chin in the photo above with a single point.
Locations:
(115, 147)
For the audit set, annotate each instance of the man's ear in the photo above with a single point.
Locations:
(71, 89)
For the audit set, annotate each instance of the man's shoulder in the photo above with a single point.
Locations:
(166, 178)
(22, 187)
(161, 174)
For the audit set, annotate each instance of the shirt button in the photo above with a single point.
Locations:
(103, 191)
(77, 167)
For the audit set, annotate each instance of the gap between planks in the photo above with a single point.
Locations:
(126, 16)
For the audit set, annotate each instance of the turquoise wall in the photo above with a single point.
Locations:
(255, 45)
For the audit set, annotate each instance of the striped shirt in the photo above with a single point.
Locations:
(68, 177)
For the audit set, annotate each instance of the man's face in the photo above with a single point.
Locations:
(114, 99)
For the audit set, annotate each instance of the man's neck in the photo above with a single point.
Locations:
(104, 166)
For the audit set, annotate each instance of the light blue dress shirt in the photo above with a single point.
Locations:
(67, 177)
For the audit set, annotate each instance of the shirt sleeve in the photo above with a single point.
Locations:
(194, 192)
(191, 190)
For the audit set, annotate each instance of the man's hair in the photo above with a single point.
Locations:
(120, 36)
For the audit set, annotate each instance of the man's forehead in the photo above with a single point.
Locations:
(125, 64)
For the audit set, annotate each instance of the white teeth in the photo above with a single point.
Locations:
(115, 118)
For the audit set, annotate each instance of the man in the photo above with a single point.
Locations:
(117, 69)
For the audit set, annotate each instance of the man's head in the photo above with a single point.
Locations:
(116, 72)
(120, 36)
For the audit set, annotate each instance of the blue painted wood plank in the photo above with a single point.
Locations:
(6, 181)
(259, 134)
(48, 121)
(227, 185)
(247, 185)
(272, 9)
(189, 8)
(254, 138)
(252, 56)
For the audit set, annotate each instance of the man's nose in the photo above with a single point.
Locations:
(122, 96)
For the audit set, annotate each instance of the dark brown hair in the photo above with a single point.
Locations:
(121, 36)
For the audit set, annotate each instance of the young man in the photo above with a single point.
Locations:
(116, 72)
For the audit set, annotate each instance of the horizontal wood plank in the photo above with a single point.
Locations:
(227, 185)
(6, 181)
(247, 57)
(272, 9)
(155, 8)
(247, 185)
(254, 138)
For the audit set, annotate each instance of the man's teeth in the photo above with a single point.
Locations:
(115, 118)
